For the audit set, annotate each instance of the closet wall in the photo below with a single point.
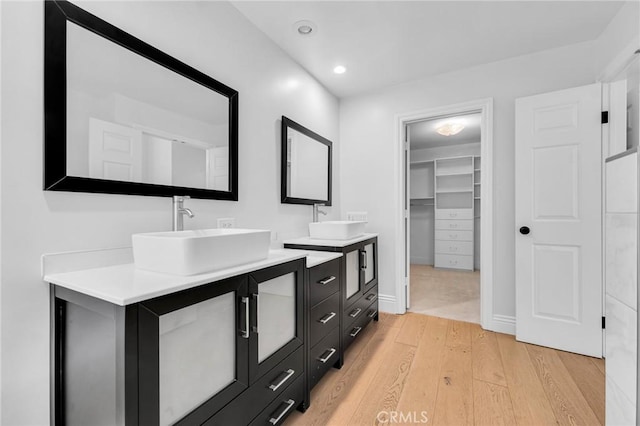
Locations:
(421, 189)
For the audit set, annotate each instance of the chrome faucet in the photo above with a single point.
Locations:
(179, 211)
(316, 210)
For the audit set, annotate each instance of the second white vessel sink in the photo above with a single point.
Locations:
(199, 251)
(336, 229)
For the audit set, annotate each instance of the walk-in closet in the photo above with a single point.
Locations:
(445, 187)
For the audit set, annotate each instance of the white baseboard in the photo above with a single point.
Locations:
(421, 261)
(387, 303)
(503, 324)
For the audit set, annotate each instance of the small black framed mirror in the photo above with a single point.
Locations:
(306, 165)
(123, 117)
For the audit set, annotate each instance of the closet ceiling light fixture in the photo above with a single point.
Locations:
(339, 69)
(450, 129)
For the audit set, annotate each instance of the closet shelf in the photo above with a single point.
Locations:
(477, 183)
(454, 191)
(419, 162)
(454, 173)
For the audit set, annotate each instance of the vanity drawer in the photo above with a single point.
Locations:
(454, 235)
(323, 356)
(281, 407)
(243, 408)
(354, 330)
(453, 261)
(454, 247)
(359, 308)
(324, 280)
(455, 214)
(324, 317)
(460, 225)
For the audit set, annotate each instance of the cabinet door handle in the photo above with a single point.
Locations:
(288, 405)
(283, 377)
(326, 280)
(355, 331)
(372, 297)
(373, 313)
(363, 259)
(355, 312)
(324, 359)
(245, 329)
(254, 327)
(325, 319)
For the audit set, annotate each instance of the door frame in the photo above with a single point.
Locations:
(485, 108)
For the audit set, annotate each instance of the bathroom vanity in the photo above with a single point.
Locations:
(358, 273)
(136, 347)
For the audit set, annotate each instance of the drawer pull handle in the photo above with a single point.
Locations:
(283, 377)
(453, 214)
(288, 404)
(245, 330)
(372, 297)
(324, 359)
(355, 312)
(453, 249)
(326, 280)
(453, 262)
(373, 313)
(355, 331)
(453, 236)
(325, 319)
(453, 225)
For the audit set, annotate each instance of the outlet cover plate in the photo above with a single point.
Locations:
(361, 216)
(226, 222)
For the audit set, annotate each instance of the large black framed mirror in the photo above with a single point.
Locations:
(123, 117)
(306, 165)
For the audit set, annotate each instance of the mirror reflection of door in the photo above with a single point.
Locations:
(130, 154)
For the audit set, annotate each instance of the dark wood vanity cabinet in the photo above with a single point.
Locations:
(358, 287)
(324, 319)
(229, 352)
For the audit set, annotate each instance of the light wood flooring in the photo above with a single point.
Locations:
(445, 293)
(418, 367)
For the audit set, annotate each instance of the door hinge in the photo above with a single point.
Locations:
(603, 323)
(605, 117)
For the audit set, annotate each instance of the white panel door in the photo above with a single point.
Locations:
(558, 200)
(115, 151)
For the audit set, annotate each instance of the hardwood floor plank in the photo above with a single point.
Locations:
(383, 392)
(599, 362)
(391, 320)
(487, 362)
(492, 404)
(530, 403)
(421, 386)
(589, 379)
(567, 401)
(412, 329)
(454, 402)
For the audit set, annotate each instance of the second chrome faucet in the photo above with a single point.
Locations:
(179, 211)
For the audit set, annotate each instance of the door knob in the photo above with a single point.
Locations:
(524, 230)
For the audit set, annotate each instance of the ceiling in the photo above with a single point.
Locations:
(422, 134)
(383, 43)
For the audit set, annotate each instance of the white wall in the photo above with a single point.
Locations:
(368, 147)
(214, 38)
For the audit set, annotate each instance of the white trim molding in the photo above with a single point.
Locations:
(485, 108)
(503, 324)
(387, 303)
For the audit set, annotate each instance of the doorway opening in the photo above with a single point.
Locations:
(445, 186)
(449, 273)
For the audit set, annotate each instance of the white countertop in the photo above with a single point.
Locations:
(123, 284)
(307, 241)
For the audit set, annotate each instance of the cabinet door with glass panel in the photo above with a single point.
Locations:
(276, 324)
(193, 350)
(361, 269)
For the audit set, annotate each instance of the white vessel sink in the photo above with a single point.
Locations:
(199, 251)
(336, 229)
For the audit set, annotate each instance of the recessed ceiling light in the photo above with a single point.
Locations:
(305, 28)
(339, 69)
